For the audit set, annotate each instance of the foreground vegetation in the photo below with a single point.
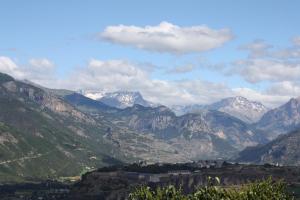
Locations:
(264, 190)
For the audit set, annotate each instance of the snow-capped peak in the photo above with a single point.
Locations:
(240, 107)
(243, 103)
(93, 94)
(125, 98)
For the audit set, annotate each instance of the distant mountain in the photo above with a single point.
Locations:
(284, 150)
(205, 135)
(120, 99)
(62, 133)
(124, 99)
(281, 120)
(239, 107)
(86, 104)
(162, 122)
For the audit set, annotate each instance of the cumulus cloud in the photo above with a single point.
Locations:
(268, 64)
(41, 64)
(114, 75)
(285, 88)
(261, 49)
(287, 53)
(257, 48)
(277, 68)
(111, 74)
(8, 66)
(41, 71)
(167, 37)
(258, 70)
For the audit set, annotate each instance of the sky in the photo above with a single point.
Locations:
(172, 52)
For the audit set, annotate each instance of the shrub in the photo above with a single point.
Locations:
(263, 190)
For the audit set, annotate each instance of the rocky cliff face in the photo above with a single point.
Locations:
(281, 120)
(163, 123)
(203, 135)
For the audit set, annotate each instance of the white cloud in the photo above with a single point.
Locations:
(285, 88)
(113, 75)
(261, 49)
(8, 66)
(41, 71)
(110, 75)
(182, 69)
(296, 41)
(288, 53)
(257, 48)
(41, 64)
(167, 37)
(258, 70)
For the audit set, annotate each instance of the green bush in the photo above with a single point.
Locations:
(263, 190)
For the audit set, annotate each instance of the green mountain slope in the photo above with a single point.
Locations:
(42, 136)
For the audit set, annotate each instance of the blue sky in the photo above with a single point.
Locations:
(69, 35)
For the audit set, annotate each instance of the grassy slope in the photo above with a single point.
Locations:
(37, 143)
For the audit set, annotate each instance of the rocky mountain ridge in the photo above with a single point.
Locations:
(39, 125)
(281, 120)
(204, 135)
(239, 107)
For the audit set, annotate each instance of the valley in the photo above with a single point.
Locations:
(149, 100)
(65, 134)
(100, 134)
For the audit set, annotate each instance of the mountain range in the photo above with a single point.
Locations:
(283, 148)
(239, 107)
(200, 134)
(64, 133)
